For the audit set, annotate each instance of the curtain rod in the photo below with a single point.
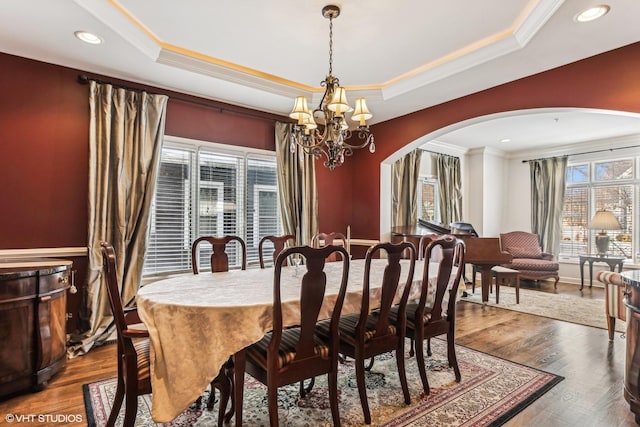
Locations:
(441, 154)
(585, 152)
(84, 79)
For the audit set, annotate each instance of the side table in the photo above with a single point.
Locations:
(611, 260)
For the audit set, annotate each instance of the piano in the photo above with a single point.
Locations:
(483, 252)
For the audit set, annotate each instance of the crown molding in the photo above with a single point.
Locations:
(516, 37)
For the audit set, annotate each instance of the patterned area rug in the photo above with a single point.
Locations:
(492, 391)
(571, 309)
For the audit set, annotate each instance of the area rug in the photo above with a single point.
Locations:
(491, 392)
(567, 308)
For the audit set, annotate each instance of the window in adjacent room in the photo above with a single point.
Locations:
(208, 189)
(603, 184)
(428, 203)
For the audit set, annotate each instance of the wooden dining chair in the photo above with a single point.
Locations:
(426, 318)
(278, 243)
(134, 376)
(288, 355)
(325, 239)
(133, 347)
(220, 263)
(219, 256)
(369, 333)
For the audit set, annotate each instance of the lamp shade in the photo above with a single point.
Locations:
(300, 110)
(361, 113)
(605, 220)
(339, 104)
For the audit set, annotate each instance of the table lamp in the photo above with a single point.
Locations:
(604, 220)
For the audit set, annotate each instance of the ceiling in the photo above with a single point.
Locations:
(402, 58)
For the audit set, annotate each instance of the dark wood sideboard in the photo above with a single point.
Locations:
(33, 339)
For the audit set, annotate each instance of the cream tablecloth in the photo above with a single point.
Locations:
(196, 322)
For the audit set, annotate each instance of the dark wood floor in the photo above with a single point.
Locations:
(590, 395)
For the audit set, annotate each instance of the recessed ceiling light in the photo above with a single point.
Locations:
(505, 140)
(88, 37)
(592, 13)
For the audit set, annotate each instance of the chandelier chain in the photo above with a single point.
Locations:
(330, 44)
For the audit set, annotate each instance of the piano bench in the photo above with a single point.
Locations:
(506, 276)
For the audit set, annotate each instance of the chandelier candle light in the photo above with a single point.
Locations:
(604, 220)
(330, 142)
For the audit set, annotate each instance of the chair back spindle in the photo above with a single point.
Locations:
(278, 243)
(219, 256)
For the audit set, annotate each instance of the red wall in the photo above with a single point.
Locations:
(43, 155)
(44, 151)
(44, 126)
(607, 81)
(198, 121)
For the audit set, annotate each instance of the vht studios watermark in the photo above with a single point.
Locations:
(44, 418)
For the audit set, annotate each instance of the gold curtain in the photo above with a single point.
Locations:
(404, 189)
(548, 177)
(125, 139)
(449, 177)
(298, 190)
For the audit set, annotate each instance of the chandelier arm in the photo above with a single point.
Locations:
(347, 151)
(309, 142)
(361, 135)
(316, 150)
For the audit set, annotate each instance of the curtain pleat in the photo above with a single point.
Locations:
(548, 178)
(404, 189)
(126, 130)
(297, 186)
(449, 177)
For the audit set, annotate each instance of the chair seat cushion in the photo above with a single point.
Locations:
(287, 350)
(347, 327)
(533, 264)
(411, 315)
(143, 358)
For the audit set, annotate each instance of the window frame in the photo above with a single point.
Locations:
(257, 189)
(592, 185)
(429, 180)
(194, 184)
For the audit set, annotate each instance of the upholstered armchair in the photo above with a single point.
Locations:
(528, 257)
(614, 295)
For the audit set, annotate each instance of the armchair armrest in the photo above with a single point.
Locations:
(610, 278)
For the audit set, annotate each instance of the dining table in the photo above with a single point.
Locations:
(196, 322)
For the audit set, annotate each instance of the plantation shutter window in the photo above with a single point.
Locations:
(203, 191)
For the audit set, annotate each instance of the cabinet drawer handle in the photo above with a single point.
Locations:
(45, 298)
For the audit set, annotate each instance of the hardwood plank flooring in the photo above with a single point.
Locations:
(590, 395)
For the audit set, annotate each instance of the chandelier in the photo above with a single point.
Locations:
(330, 141)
